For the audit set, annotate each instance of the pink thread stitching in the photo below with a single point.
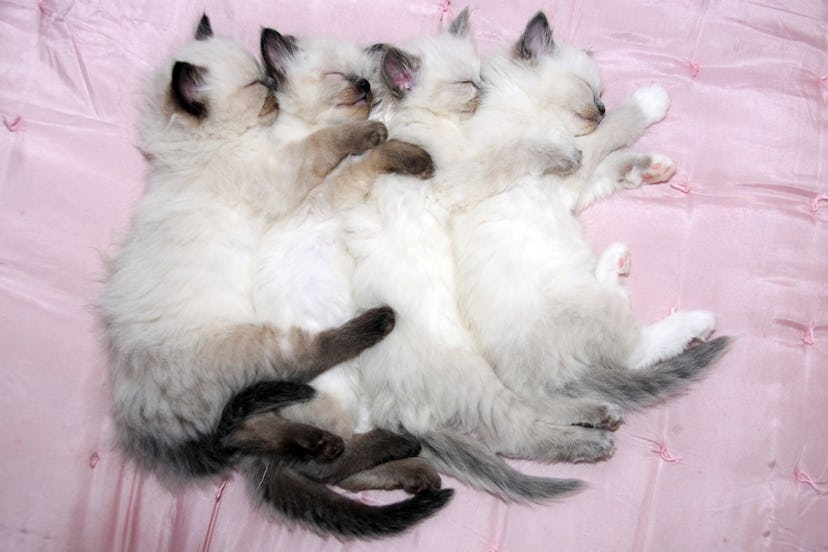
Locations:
(93, 460)
(683, 188)
(822, 82)
(808, 338)
(803, 477)
(12, 124)
(662, 450)
(694, 69)
(445, 7)
(209, 536)
(814, 204)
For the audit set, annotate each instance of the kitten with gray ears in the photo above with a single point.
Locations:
(554, 320)
(198, 372)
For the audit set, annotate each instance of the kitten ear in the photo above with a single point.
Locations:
(204, 30)
(376, 49)
(536, 39)
(187, 80)
(399, 70)
(277, 49)
(460, 26)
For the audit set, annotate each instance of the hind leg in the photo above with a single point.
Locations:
(670, 336)
(362, 452)
(413, 475)
(271, 434)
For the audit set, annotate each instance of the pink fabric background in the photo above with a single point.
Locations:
(739, 463)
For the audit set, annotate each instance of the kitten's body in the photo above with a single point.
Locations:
(441, 389)
(547, 313)
(196, 360)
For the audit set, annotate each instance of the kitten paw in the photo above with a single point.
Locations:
(416, 476)
(653, 102)
(563, 160)
(614, 264)
(661, 169)
(604, 416)
(701, 323)
(404, 158)
(322, 445)
(593, 445)
(366, 134)
(372, 325)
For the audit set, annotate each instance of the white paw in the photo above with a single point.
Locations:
(615, 263)
(661, 169)
(653, 102)
(701, 323)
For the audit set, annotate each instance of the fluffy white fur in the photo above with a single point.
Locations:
(541, 306)
(428, 375)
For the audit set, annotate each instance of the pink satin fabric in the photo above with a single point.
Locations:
(739, 463)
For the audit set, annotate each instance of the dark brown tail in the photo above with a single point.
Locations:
(323, 510)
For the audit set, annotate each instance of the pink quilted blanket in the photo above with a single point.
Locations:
(739, 463)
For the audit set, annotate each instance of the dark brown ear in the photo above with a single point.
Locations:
(536, 39)
(399, 70)
(204, 30)
(460, 27)
(277, 49)
(187, 80)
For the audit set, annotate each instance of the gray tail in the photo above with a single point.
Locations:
(319, 508)
(634, 389)
(207, 454)
(469, 461)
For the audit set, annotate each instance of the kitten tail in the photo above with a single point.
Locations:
(469, 461)
(319, 508)
(636, 389)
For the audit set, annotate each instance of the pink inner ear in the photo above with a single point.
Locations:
(400, 74)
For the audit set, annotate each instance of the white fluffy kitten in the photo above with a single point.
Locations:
(196, 354)
(549, 316)
(427, 376)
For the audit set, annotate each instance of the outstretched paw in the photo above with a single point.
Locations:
(653, 102)
(366, 134)
(661, 169)
(404, 158)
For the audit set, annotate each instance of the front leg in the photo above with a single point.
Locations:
(623, 170)
(350, 185)
(623, 125)
(322, 151)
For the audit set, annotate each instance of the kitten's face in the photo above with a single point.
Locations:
(554, 82)
(319, 81)
(218, 88)
(440, 74)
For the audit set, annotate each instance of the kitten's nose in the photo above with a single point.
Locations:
(364, 85)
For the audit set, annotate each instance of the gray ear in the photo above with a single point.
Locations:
(536, 39)
(460, 26)
(187, 80)
(204, 30)
(277, 49)
(399, 70)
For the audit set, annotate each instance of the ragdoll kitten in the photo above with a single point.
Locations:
(304, 274)
(440, 388)
(196, 369)
(551, 318)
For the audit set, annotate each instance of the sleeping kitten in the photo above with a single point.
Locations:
(196, 367)
(441, 389)
(551, 318)
(305, 273)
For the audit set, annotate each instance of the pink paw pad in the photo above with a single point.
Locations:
(624, 263)
(661, 169)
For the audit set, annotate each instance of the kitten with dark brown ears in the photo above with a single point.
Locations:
(198, 371)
